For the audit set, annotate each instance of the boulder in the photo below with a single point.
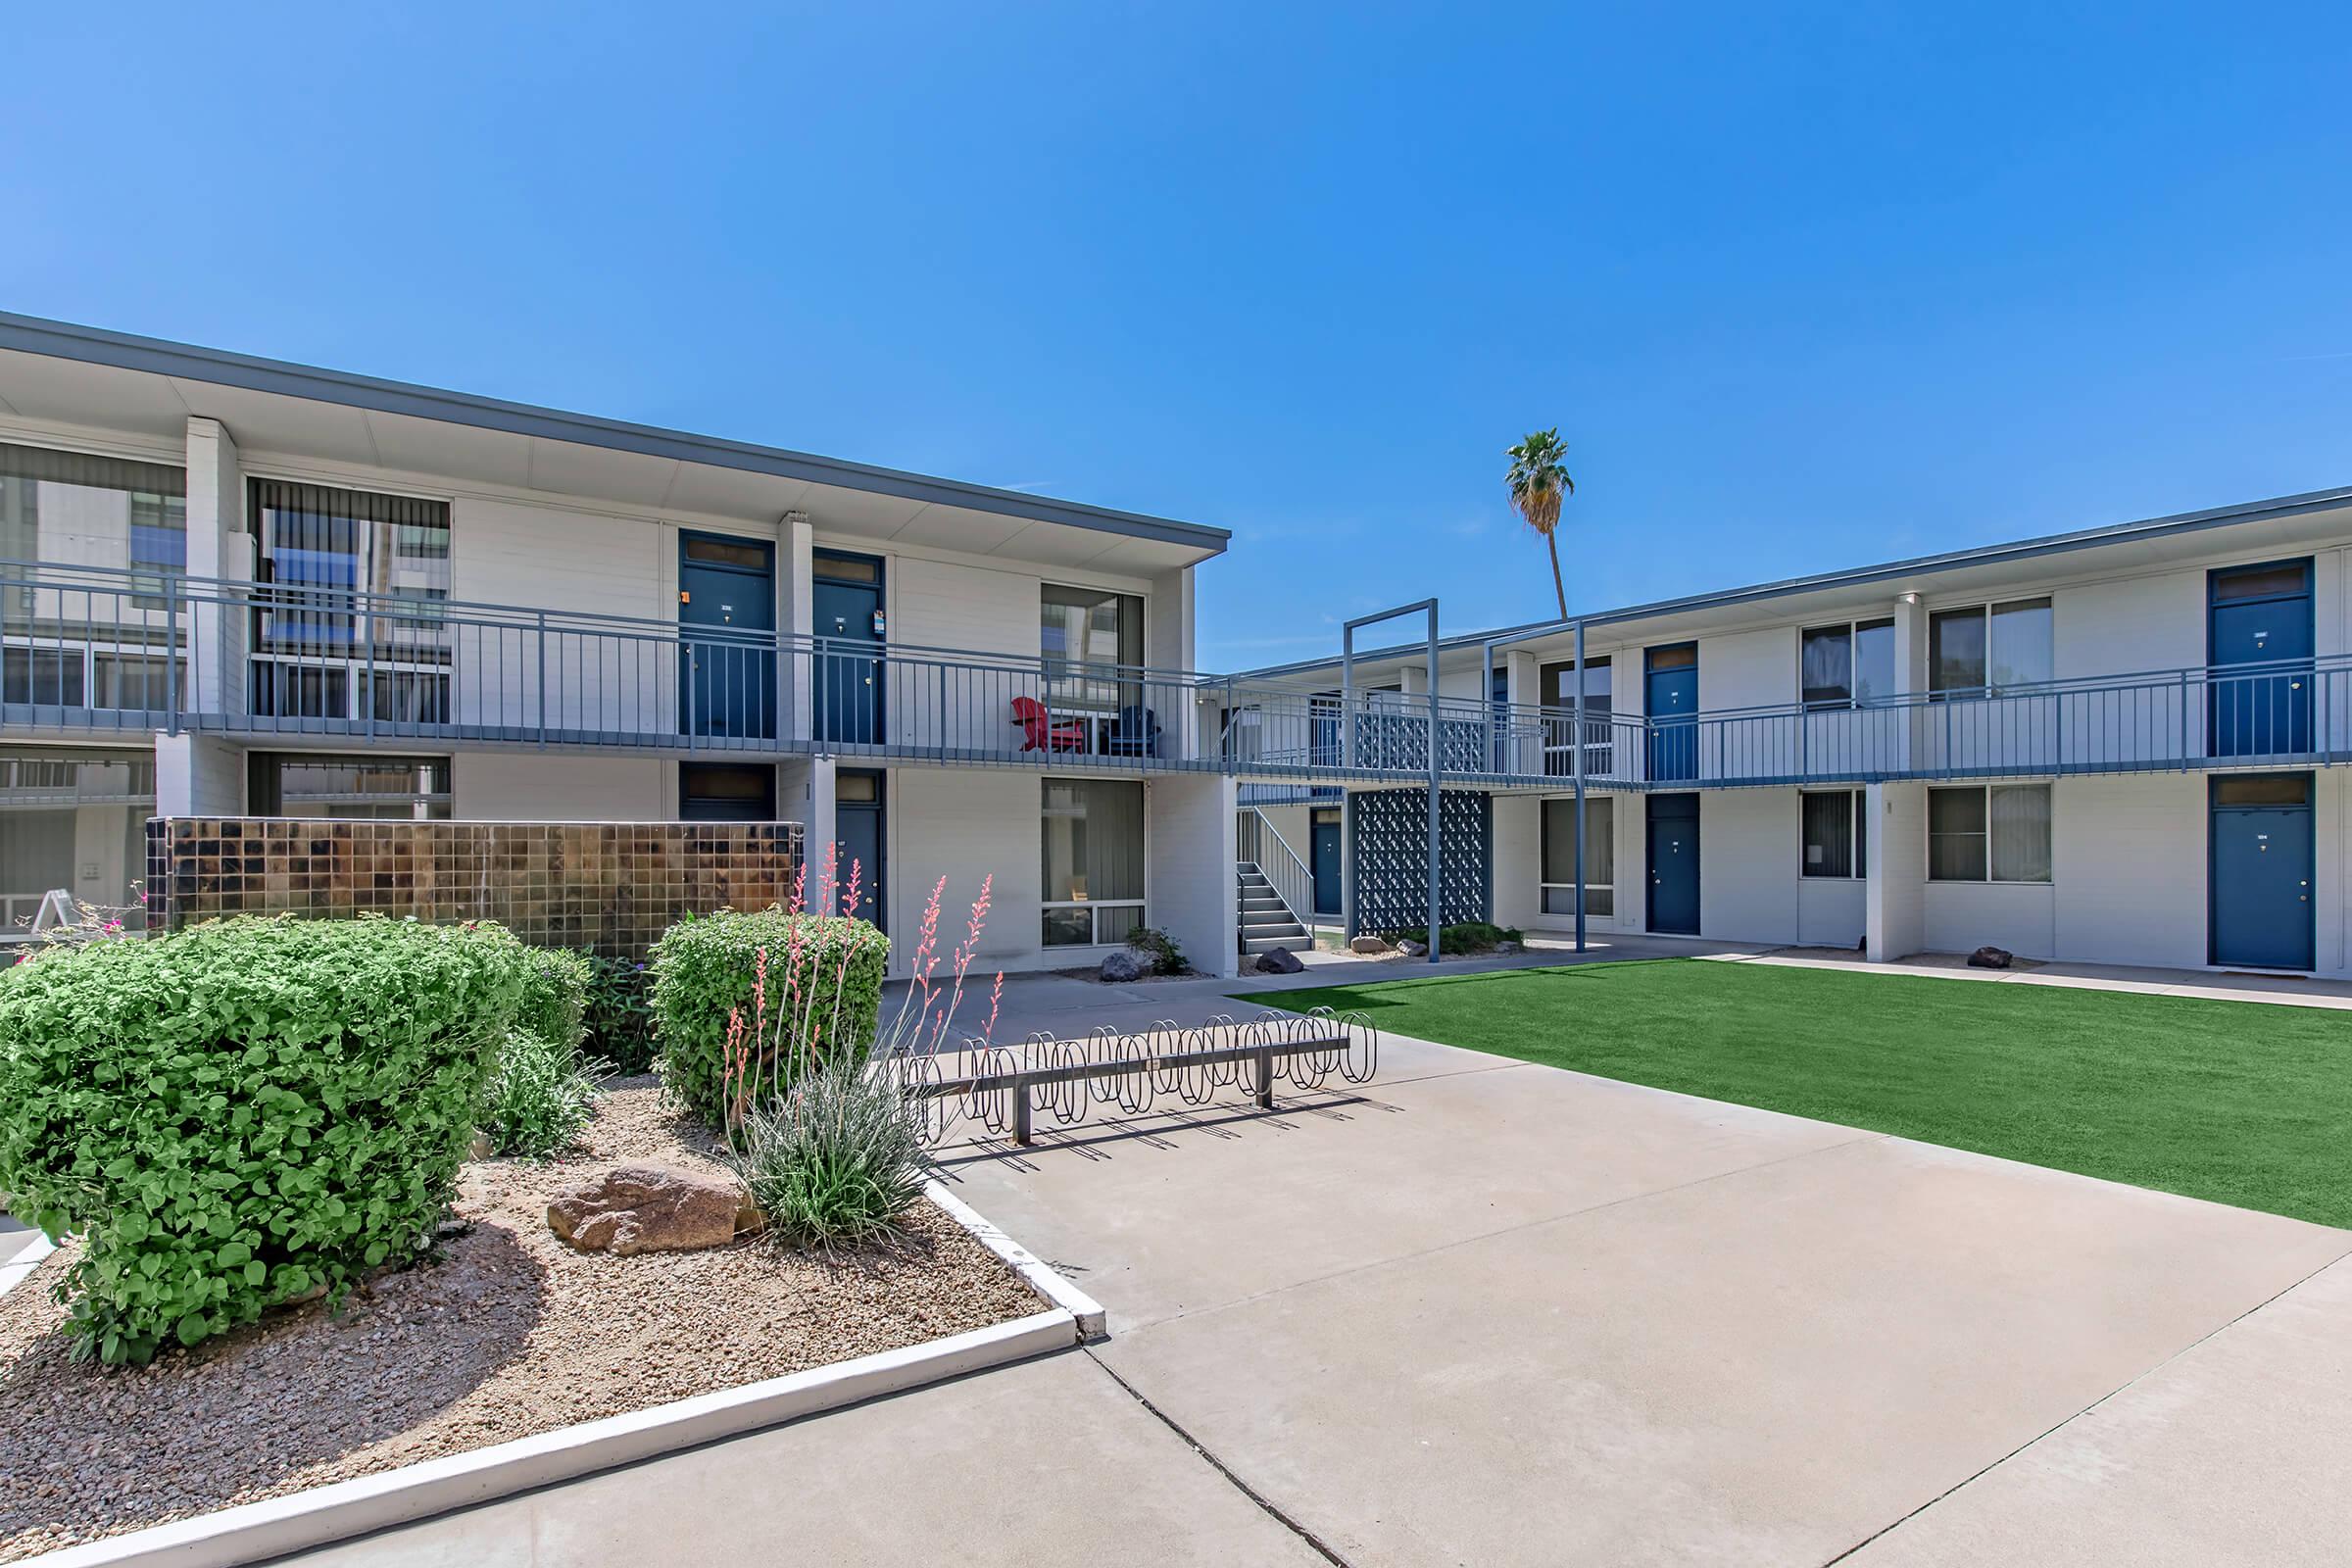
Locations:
(1412, 948)
(650, 1208)
(1282, 961)
(1125, 965)
(1991, 958)
(1508, 947)
(1370, 947)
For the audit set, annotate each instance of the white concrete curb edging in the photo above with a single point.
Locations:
(1040, 1275)
(14, 1271)
(254, 1530)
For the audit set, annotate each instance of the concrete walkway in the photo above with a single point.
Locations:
(1493, 1312)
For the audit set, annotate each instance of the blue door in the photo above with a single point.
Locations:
(846, 604)
(1670, 697)
(2259, 645)
(857, 829)
(1325, 856)
(1674, 864)
(727, 637)
(2262, 871)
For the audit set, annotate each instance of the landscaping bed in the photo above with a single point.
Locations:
(508, 1333)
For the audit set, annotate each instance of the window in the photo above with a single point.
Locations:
(321, 548)
(1600, 856)
(360, 788)
(1093, 837)
(1983, 650)
(1083, 633)
(1997, 833)
(1847, 665)
(1836, 834)
(97, 511)
(1556, 690)
(726, 792)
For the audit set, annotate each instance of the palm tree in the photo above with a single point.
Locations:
(1539, 481)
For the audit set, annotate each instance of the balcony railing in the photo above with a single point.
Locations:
(86, 649)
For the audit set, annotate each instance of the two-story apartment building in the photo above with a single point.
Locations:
(237, 587)
(2113, 745)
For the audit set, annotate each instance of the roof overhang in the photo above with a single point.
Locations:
(55, 371)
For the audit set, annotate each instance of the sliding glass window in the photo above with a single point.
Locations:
(1985, 650)
(1834, 831)
(1998, 833)
(1093, 837)
(100, 636)
(370, 788)
(1083, 635)
(1600, 856)
(353, 616)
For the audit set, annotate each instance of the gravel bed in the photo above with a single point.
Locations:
(512, 1333)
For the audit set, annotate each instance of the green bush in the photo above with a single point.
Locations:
(555, 996)
(705, 969)
(246, 1112)
(538, 1097)
(837, 1162)
(1160, 948)
(1467, 936)
(621, 1014)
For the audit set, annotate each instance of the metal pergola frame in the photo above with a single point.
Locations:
(1347, 717)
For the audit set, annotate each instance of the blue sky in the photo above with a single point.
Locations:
(1802, 286)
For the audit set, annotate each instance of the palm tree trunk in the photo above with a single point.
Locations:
(1556, 586)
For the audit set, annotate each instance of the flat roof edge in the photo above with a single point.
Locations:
(90, 345)
(2235, 514)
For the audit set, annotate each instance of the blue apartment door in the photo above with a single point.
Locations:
(726, 635)
(1670, 698)
(1674, 864)
(2261, 869)
(2259, 647)
(1326, 856)
(846, 604)
(857, 829)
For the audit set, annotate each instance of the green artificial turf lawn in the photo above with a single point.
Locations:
(2240, 1102)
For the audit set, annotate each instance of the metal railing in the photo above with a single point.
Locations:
(1257, 842)
(92, 649)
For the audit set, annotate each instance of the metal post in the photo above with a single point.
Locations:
(1577, 769)
(367, 620)
(1485, 691)
(542, 680)
(1434, 800)
(1020, 1112)
(1266, 1078)
(171, 653)
(1347, 697)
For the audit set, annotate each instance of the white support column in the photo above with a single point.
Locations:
(797, 541)
(1910, 679)
(196, 775)
(823, 848)
(219, 547)
(1190, 839)
(1896, 889)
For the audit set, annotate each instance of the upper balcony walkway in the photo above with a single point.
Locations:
(91, 650)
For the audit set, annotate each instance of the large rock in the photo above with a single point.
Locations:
(1412, 948)
(1991, 958)
(650, 1208)
(1370, 947)
(1282, 961)
(1125, 965)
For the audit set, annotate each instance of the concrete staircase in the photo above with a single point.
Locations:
(1267, 922)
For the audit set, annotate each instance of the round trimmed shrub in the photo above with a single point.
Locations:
(705, 970)
(246, 1112)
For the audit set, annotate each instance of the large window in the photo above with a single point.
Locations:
(1836, 834)
(1985, 650)
(726, 792)
(1849, 665)
(1600, 856)
(74, 822)
(313, 639)
(1997, 833)
(1555, 689)
(372, 788)
(1094, 860)
(1083, 633)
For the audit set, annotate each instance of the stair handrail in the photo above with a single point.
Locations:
(1294, 883)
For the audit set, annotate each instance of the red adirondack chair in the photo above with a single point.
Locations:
(1040, 733)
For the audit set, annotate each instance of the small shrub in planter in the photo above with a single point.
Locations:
(1160, 948)
(244, 1113)
(621, 1014)
(838, 1160)
(555, 996)
(794, 987)
(538, 1097)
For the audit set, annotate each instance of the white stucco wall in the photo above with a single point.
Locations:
(1518, 861)
(1831, 912)
(1963, 916)
(1189, 863)
(531, 787)
(2129, 865)
(1747, 843)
